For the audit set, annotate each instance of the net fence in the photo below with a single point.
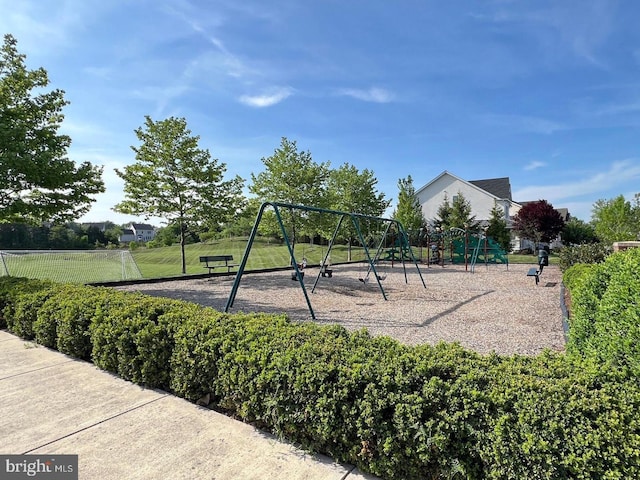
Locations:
(70, 266)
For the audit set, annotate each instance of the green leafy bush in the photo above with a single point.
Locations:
(8, 288)
(396, 411)
(605, 314)
(135, 338)
(576, 274)
(555, 417)
(19, 300)
(586, 253)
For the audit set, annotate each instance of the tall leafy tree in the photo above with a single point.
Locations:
(39, 183)
(497, 228)
(291, 176)
(616, 219)
(538, 222)
(173, 179)
(578, 232)
(351, 190)
(408, 211)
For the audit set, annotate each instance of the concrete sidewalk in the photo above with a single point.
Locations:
(53, 404)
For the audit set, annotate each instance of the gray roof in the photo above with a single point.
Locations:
(564, 212)
(500, 187)
(142, 226)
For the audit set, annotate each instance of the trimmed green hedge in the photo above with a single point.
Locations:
(396, 411)
(605, 310)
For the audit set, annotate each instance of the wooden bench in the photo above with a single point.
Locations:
(533, 272)
(211, 262)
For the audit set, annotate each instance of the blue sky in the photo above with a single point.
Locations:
(544, 92)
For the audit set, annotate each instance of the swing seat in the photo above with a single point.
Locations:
(326, 272)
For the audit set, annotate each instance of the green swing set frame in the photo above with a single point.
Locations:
(355, 219)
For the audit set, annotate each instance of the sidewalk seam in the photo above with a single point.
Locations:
(37, 369)
(348, 473)
(96, 424)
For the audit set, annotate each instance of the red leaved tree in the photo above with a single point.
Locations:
(538, 222)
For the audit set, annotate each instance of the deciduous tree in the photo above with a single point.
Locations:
(39, 183)
(351, 190)
(578, 232)
(408, 210)
(617, 219)
(291, 176)
(538, 222)
(177, 181)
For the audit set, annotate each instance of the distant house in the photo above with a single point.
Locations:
(137, 232)
(482, 195)
(127, 236)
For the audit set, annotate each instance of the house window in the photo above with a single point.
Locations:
(454, 198)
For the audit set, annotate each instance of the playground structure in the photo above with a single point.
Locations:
(372, 260)
(458, 246)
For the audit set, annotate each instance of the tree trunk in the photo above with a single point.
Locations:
(182, 242)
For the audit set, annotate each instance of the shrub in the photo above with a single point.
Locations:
(557, 418)
(605, 320)
(135, 338)
(396, 411)
(617, 319)
(19, 309)
(74, 310)
(576, 274)
(8, 288)
(586, 253)
(25, 312)
(45, 327)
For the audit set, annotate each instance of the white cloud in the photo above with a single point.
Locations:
(267, 99)
(374, 94)
(618, 174)
(162, 96)
(578, 28)
(46, 30)
(534, 165)
(619, 109)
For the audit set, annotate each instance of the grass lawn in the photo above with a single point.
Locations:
(165, 261)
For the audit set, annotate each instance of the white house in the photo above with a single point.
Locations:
(482, 195)
(137, 232)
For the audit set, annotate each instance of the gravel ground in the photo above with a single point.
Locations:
(495, 309)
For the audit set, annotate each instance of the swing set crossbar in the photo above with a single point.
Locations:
(355, 219)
